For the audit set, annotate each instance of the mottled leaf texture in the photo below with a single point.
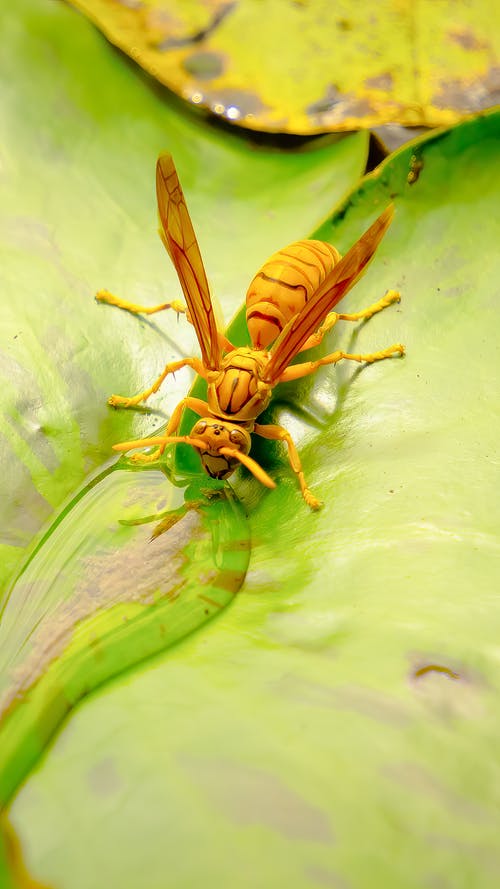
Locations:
(308, 66)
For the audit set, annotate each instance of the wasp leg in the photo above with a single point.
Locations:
(278, 433)
(195, 404)
(225, 344)
(296, 371)
(315, 339)
(392, 296)
(124, 401)
(104, 296)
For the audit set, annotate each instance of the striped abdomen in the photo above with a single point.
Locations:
(284, 285)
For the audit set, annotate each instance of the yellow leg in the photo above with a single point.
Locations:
(195, 404)
(315, 339)
(125, 401)
(278, 433)
(392, 296)
(104, 296)
(296, 371)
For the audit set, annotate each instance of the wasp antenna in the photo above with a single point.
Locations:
(158, 440)
(250, 464)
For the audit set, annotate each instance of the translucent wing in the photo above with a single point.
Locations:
(334, 287)
(177, 234)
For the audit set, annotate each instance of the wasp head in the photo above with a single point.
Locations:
(223, 445)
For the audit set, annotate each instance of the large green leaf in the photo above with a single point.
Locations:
(338, 725)
(80, 136)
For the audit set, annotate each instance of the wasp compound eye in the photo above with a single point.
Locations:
(236, 437)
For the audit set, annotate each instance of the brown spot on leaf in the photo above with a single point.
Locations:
(326, 103)
(375, 705)
(448, 690)
(470, 95)
(467, 39)
(144, 572)
(204, 65)
(416, 781)
(435, 668)
(237, 545)
(380, 81)
(233, 104)
(251, 796)
(174, 41)
(212, 602)
(335, 106)
(323, 876)
(103, 778)
(416, 167)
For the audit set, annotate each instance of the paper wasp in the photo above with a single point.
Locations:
(289, 310)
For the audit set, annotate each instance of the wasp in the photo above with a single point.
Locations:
(290, 306)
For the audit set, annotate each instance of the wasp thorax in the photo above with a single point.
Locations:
(237, 392)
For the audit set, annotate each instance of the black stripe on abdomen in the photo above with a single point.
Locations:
(282, 283)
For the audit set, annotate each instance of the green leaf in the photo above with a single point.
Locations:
(81, 133)
(339, 724)
(80, 138)
(107, 589)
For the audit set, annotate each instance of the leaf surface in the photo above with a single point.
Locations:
(316, 66)
(81, 134)
(339, 724)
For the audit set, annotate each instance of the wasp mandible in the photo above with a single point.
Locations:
(290, 306)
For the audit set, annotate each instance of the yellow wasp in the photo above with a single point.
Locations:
(289, 310)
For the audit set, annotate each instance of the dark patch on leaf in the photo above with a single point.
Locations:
(233, 104)
(381, 81)
(322, 876)
(470, 95)
(424, 670)
(416, 167)
(448, 690)
(250, 796)
(373, 704)
(326, 103)
(201, 35)
(103, 778)
(468, 40)
(422, 782)
(141, 572)
(204, 65)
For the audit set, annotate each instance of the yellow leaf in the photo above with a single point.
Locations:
(308, 66)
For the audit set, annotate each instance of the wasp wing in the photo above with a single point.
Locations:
(177, 234)
(334, 287)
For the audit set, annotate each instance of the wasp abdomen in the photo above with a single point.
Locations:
(284, 285)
